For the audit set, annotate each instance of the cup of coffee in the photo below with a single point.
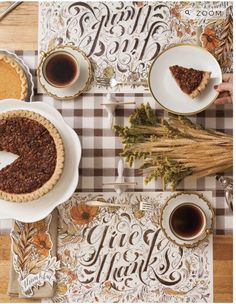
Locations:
(60, 69)
(188, 221)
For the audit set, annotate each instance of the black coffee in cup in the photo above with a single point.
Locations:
(61, 69)
(187, 221)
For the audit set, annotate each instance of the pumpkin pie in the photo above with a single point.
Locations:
(192, 82)
(40, 151)
(13, 81)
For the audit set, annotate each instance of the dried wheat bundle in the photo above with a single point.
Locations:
(173, 149)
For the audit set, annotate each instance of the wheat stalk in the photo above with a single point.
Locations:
(22, 247)
(226, 44)
(173, 149)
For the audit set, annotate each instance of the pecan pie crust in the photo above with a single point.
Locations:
(191, 81)
(40, 153)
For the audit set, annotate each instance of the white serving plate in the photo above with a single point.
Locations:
(165, 89)
(65, 187)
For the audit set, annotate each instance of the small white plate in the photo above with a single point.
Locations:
(186, 197)
(165, 89)
(26, 70)
(83, 81)
(65, 187)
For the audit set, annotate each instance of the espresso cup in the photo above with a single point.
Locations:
(188, 221)
(60, 69)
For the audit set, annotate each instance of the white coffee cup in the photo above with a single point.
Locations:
(188, 221)
(60, 69)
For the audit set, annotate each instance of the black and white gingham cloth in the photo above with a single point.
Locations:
(101, 148)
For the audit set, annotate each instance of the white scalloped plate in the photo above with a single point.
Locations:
(65, 187)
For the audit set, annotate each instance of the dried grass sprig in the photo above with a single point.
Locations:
(175, 149)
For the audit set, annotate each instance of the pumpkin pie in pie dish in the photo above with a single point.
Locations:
(13, 81)
(40, 151)
(192, 82)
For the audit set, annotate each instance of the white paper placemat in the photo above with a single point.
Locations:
(121, 254)
(122, 38)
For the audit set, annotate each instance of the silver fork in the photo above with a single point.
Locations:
(112, 82)
(104, 204)
(145, 206)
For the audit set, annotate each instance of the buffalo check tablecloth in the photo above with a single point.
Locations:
(101, 148)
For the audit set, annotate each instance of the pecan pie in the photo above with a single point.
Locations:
(192, 82)
(13, 81)
(40, 152)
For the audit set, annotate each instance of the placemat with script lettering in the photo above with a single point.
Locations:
(121, 254)
(122, 38)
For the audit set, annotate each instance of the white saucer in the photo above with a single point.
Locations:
(84, 79)
(65, 187)
(165, 89)
(186, 197)
(26, 70)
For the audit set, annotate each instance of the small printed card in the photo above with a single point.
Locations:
(123, 38)
(111, 254)
(34, 258)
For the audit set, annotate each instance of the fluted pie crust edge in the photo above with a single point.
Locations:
(205, 78)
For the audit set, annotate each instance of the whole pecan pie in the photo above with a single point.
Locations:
(40, 152)
(13, 81)
(192, 82)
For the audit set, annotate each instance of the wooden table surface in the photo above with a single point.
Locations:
(19, 31)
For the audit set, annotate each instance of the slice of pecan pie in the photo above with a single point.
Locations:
(40, 153)
(192, 82)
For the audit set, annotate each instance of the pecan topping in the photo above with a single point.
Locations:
(36, 149)
(188, 79)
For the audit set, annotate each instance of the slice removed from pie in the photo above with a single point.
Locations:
(192, 82)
